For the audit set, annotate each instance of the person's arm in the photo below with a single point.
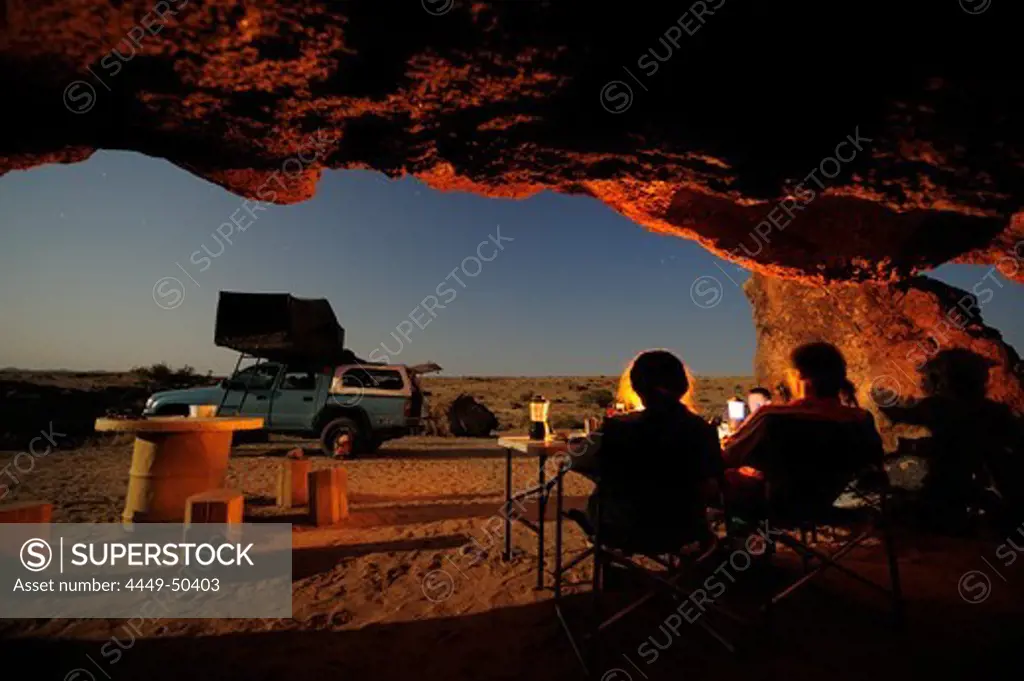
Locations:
(712, 466)
(741, 446)
(910, 412)
(712, 463)
(874, 452)
(584, 453)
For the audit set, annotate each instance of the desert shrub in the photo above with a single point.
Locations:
(602, 398)
(519, 420)
(526, 396)
(567, 422)
(155, 373)
(469, 417)
(160, 376)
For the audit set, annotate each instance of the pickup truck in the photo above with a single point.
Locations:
(351, 408)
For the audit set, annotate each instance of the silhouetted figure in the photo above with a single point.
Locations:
(653, 467)
(806, 450)
(757, 398)
(975, 442)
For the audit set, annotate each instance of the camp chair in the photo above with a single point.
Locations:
(791, 511)
(677, 557)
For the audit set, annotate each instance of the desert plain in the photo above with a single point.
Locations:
(413, 583)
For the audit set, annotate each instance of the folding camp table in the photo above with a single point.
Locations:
(542, 450)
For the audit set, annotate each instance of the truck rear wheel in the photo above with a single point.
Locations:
(341, 438)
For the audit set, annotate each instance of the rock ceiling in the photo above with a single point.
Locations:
(806, 140)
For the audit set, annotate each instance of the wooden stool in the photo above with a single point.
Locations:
(215, 506)
(328, 496)
(293, 483)
(26, 512)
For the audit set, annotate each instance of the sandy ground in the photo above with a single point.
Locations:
(413, 585)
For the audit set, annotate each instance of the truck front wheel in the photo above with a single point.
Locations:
(341, 438)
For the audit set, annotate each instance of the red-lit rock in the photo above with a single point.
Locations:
(511, 98)
(887, 333)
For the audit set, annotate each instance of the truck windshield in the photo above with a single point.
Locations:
(258, 376)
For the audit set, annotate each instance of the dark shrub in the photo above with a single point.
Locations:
(602, 398)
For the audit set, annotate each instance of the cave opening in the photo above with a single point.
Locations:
(562, 189)
(545, 285)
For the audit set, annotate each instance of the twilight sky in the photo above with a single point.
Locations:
(576, 289)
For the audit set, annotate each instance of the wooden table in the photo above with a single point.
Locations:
(542, 450)
(174, 458)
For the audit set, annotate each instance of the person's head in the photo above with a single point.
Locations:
(659, 377)
(957, 373)
(757, 398)
(820, 370)
(848, 394)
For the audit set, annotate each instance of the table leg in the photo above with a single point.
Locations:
(168, 468)
(558, 537)
(540, 523)
(507, 514)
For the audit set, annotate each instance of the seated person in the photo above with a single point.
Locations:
(806, 450)
(757, 398)
(739, 411)
(974, 441)
(652, 466)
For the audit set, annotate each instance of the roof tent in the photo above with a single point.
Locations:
(279, 326)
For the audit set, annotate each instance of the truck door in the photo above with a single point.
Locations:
(295, 399)
(417, 402)
(252, 388)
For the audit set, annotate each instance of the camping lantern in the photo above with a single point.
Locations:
(539, 408)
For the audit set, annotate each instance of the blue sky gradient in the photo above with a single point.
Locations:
(577, 289)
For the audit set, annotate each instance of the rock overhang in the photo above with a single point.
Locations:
(808, 141)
